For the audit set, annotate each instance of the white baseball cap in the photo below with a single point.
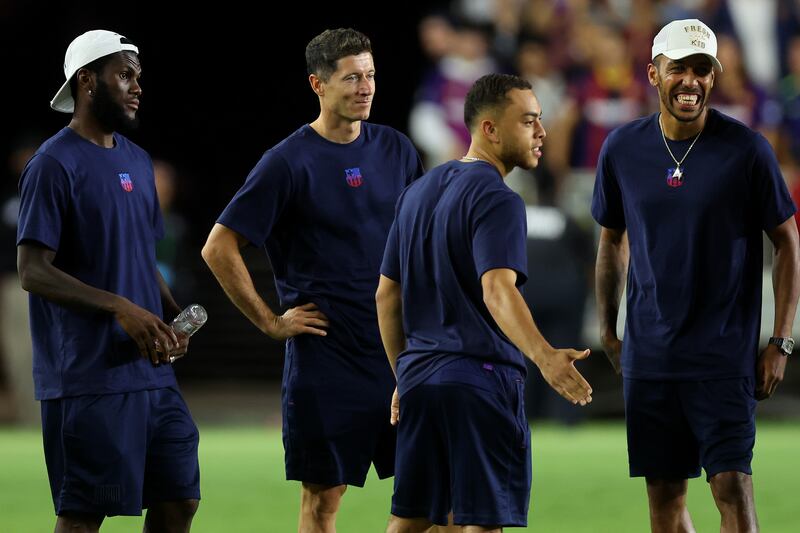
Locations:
(82, 51)
(683, 38)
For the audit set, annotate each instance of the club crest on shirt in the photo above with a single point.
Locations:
(125, 181)
(674, 180)
(353, 177)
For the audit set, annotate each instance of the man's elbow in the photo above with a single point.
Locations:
(24, 280)
(211, 252)
(381, 296)
(221, 246)
(388, 293)
(27, 277)
(207, 252)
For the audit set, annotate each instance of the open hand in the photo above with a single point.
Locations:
(558, 369)
(306, 318)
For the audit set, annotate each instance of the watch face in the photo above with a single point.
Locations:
(788, 345)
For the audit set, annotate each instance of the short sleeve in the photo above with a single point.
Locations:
(257, 206)
(499, 234)
(607, 207)
(772, 198)
(44, 201)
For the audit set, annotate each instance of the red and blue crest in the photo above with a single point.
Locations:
(125, 181)
(353, 176)
(672, 179)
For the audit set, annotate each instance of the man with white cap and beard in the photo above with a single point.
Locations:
(118, 436)
(683, 197)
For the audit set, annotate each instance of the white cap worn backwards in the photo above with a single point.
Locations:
(82, 51)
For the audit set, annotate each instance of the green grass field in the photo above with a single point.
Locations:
(580, 484)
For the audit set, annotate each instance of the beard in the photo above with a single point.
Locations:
(669, 103)
(110, 114)
(515, 156)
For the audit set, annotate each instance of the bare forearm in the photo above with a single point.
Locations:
(39, 276)
(610, 270)
(390, 319)
(394, 341)
(785, 275)
(232, 274)
(786, 287)
(511, 313)
(51, 283)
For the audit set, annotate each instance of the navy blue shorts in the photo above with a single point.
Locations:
(675, 428)
(116, 454)
(335, 415)
(463, 443)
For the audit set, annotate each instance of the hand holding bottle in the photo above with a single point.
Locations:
(185, 325)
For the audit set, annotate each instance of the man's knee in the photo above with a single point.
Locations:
(321, 499)
(666, 493)
(185, 509)
(732, 488)
(78, 522)
(171, 514)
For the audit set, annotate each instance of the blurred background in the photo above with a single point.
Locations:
(223, 82)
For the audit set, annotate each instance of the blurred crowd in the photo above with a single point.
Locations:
(587, 61)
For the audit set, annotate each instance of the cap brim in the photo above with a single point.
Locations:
(680, 53)
(63, 100)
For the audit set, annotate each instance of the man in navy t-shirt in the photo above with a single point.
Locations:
(684, 196)
(456, 328)
(320, 203)
(118, 436)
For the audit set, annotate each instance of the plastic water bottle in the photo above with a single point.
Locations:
(187, 323)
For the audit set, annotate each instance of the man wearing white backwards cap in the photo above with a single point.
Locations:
(683, 197)
(118, 436)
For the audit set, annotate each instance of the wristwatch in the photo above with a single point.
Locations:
(785, 344)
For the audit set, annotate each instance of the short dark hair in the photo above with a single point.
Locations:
(488, 92)
(330, 46)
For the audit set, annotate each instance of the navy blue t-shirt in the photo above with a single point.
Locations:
(694, 281)
(454, 224)
(97, 209)
(322, 211)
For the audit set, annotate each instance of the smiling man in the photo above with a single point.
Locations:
(320, 203)
(683, 197)
(118, 436)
